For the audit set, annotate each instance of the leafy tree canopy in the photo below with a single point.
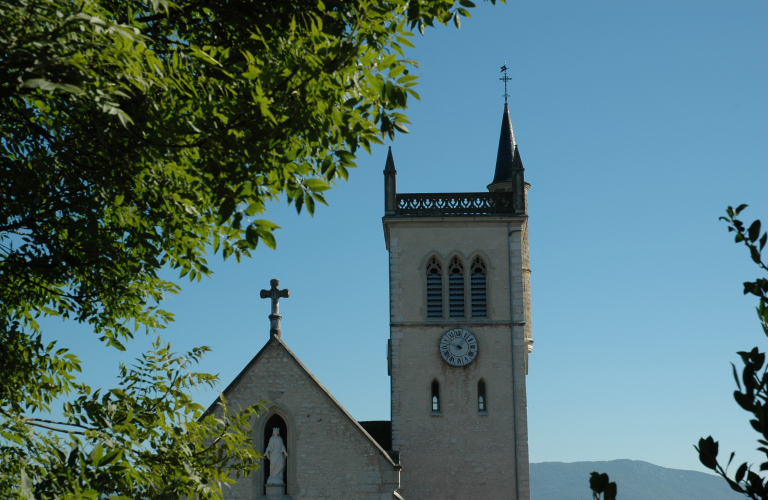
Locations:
(752, 389)
(136, 136)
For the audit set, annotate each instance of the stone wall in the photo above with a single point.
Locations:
(329, 455)
(460, 452)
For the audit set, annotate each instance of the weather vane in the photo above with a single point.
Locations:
(505, 79)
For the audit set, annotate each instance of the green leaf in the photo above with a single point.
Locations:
(265, 224)
(111, 457)
(387, 61)
(708, 449)
(402, 128)
(96, 455)
(317, 185)
(740, 472)
(26, 485)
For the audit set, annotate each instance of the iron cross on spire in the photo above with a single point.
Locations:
(505, 79)
(275, 294)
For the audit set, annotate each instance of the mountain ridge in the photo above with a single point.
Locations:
(636, 480)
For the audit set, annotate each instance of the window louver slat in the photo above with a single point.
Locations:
(434, 296)
(456, 288)
(478, 284)
(434, 290)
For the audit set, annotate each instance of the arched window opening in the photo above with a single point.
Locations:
(434, 289)
(435, 397)
(482, 401)
(479, 299)
(456, 288)
(275, 421)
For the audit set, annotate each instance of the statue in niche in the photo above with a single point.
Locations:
(276, 455)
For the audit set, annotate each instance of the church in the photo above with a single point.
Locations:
(457, 355)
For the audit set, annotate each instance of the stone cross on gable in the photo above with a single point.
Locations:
(275, 294)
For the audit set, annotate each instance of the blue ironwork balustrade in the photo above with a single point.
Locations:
(455, 204)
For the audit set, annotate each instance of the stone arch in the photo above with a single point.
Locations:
(483, 256)
(428, 257)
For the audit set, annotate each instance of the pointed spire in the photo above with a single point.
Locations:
(390, 185)
(508, 157)
(390, 165)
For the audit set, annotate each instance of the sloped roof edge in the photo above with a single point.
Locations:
(314, 379)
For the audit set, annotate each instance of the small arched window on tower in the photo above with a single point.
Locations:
(435, 396)
(434, 289)
(479, 299)
(482, 401)
(456, 288)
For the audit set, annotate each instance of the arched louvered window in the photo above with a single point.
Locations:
(434, 289)
(482, 401)
(435, 396)
(479, 299)
(456, 288)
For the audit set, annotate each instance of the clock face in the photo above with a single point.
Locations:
(458, 347)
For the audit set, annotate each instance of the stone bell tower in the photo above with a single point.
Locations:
(460, 334)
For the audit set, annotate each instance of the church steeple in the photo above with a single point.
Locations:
(508, 156)
(509, 175)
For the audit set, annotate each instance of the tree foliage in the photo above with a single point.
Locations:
(600, 484)
(146, 438)
(137, 136)
(752, 389)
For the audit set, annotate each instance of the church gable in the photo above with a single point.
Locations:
(330, 455)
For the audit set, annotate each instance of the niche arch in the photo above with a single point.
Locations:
(263, 431)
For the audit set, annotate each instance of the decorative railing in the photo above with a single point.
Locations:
(455, 204)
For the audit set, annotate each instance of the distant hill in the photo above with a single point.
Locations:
(635, 480)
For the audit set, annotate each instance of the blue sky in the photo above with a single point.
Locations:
(637, 123)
